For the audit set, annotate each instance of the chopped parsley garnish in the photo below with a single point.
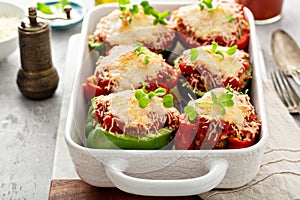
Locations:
(144, 97)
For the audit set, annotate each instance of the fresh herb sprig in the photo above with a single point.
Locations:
(123, 6)
(191, 112)
(138, 47)
(228, 17)
(158, 17)
(148, 10)
(144, 97)
(209, 5)
(225, 100)
(214, 48)
(194, 54)
(230, 51)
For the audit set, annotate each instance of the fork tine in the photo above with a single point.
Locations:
(294, 99)
(276, 85)
(285, 91)
(280, 88)
(296, 76)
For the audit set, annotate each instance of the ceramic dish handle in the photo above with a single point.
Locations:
(181, 187)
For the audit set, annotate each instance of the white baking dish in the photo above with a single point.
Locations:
(164, 172)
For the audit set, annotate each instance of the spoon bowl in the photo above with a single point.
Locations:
(286, 52)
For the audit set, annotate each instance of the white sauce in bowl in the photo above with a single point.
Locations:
(8, 27)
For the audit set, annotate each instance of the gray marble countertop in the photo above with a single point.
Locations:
(29, 139)
(28, 128)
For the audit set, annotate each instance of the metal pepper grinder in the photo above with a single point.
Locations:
(37, 78)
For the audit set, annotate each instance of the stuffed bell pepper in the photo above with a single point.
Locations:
(127, 67)
(211, 66)
(132, 119)
(211, 21)
(221, 119)
(133, 23)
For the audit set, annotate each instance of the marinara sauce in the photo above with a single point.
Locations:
(263, 9)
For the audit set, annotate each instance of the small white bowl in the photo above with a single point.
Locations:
(9, 44)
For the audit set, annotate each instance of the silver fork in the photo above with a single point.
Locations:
(296, 75)
(285, 91)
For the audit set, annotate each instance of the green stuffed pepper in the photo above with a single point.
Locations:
(131, 120)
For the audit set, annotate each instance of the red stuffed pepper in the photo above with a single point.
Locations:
(221, 22)
(127, 67)
(128, 26)
(221, 119)
(211, 66)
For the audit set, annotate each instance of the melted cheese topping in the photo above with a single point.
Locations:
(206, 24)
(234, 115)
(114, 31)
(229, 66)
(125, 106)
(127, 68)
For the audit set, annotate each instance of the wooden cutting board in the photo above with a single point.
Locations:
(76, 189)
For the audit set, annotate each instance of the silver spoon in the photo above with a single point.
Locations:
(286, 54)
